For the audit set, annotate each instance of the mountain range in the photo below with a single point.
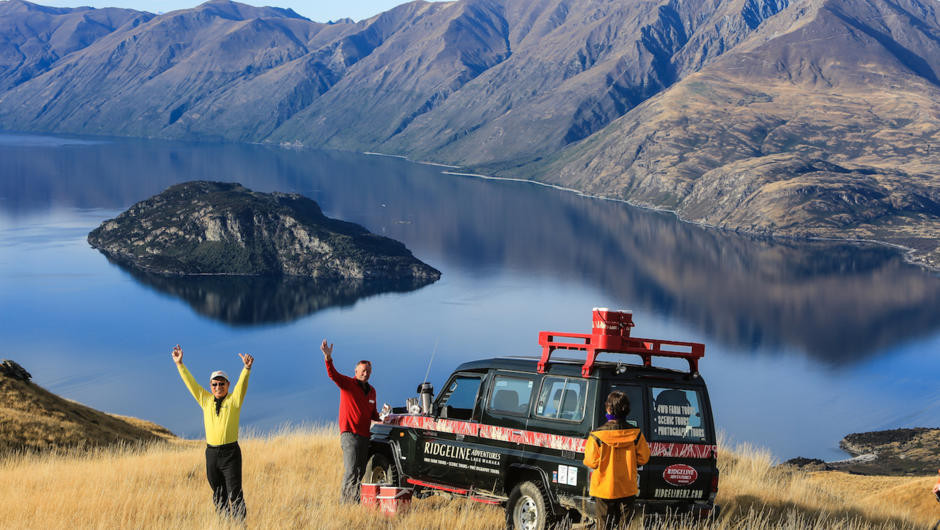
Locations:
(804, 118)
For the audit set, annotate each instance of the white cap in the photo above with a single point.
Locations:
(218, 373)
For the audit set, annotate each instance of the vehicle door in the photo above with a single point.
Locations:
(682, 444)
(506, 409)
(637, 417)
(443, 451)
(560, 421)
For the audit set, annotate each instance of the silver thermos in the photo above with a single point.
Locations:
(426, 393)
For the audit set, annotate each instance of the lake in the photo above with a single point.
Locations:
(805, 341)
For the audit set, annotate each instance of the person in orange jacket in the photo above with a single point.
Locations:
(613, 451)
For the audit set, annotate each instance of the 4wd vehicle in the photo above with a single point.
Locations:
(512, 431)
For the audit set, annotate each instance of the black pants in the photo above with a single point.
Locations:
(224, 471)
(611, 513)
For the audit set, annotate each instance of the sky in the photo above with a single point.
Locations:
(317, 10)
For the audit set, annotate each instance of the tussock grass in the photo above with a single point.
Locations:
(291, 480)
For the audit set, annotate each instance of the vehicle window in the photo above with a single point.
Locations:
(677, 415)
(511, 395)
(635, 395)
(561, 398)
(460, 397)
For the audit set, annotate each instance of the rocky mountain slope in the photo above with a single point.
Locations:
(33, 37)
(784, 135)
(34, 419)
(792, 117)
(223, 228)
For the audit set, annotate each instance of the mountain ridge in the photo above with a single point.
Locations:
(704, 108)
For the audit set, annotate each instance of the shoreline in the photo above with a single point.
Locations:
(892, 452)
(908, 254)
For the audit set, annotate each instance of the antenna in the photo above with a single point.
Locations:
(434, 351)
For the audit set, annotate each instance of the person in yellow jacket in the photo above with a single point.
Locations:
(221, 411)
(614, 451)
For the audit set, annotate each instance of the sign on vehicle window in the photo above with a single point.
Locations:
(677, 415)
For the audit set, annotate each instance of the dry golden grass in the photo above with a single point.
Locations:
(291, 480)
(753, 493)
(34, 419)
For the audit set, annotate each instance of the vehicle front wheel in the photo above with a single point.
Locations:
(528, 508)
(379, 470)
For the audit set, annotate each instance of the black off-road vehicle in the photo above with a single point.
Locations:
(512, 431)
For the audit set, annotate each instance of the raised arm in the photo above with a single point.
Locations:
(238, 393)
(342, 381)
(201, 394)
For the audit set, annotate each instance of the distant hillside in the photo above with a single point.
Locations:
(34, 419)
(798, 118)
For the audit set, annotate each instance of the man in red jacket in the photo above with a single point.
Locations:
(356, 413)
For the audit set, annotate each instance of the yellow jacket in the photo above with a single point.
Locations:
(614, 454)
(221, 428)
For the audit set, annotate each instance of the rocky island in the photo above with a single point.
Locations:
(217, 228)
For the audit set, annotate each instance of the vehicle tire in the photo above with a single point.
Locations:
(379, 470)
(528, 508)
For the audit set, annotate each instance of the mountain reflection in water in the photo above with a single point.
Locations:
(838, 302)
(254, 300)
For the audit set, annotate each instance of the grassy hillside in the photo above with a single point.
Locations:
(34, 419)
(291, 480)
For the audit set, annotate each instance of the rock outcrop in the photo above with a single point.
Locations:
(13, 369)
(199, 228)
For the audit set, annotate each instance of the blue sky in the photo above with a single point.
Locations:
(318, 10)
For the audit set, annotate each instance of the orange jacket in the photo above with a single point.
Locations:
(614, 455)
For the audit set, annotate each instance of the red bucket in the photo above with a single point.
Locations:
(605, 322)
(611, 323)
(393, 500)
(368, 494)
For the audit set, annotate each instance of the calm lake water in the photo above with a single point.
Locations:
(805, 342)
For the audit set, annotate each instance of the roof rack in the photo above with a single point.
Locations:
(611, 334)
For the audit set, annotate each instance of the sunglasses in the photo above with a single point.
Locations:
(219, 383)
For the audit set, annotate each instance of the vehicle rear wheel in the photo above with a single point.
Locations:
(528, 508)
(379, 470)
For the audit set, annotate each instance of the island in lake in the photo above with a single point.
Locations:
(217, 228)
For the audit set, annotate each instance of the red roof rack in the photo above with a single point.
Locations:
(611, 334)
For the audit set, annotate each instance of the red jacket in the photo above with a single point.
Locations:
(356, 408)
